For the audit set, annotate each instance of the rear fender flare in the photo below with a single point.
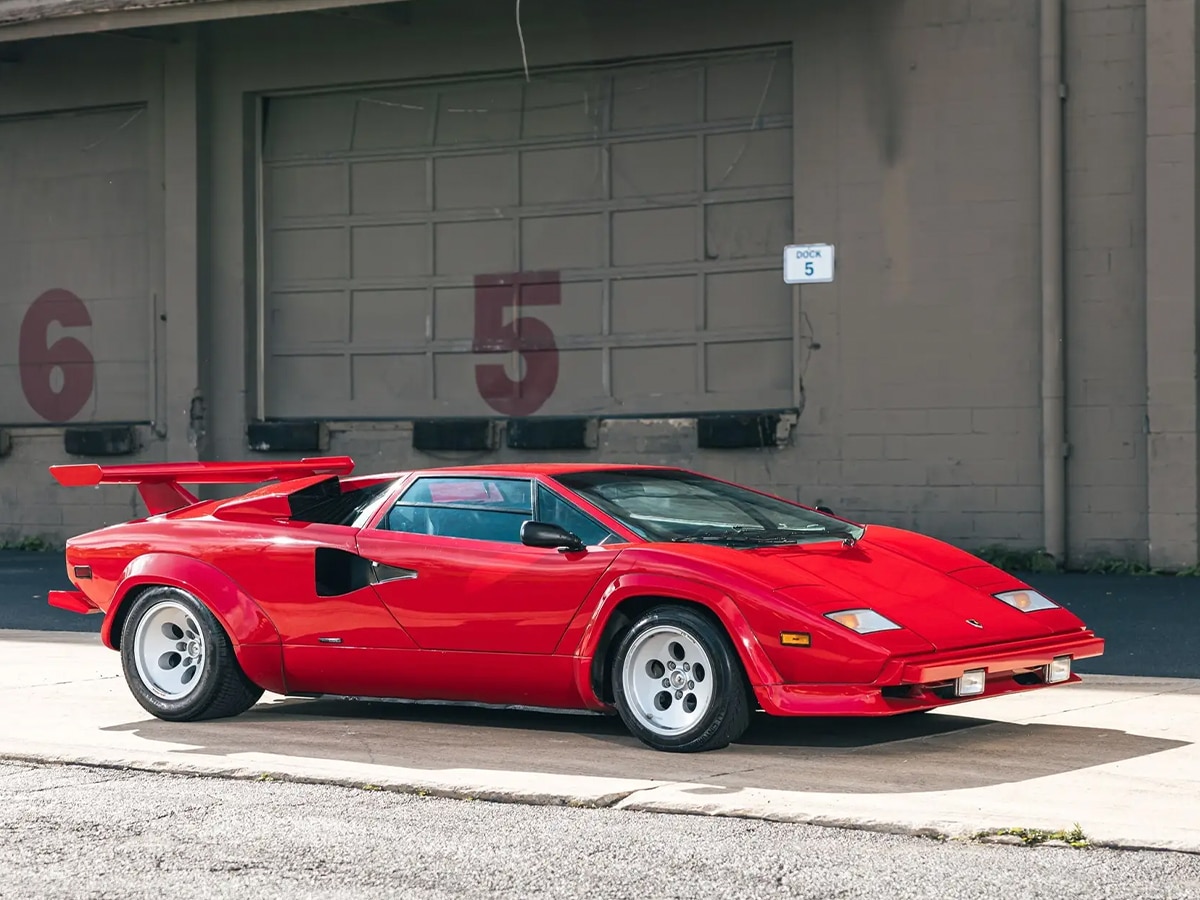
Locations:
(256, 641)
(759, 668)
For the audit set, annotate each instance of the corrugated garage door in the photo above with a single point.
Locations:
(74, 296)
(603, 240)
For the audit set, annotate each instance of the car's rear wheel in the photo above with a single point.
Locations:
(678, 683)
(178, 660)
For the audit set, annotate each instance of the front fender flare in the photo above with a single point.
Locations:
(759, 668)
(256, 641)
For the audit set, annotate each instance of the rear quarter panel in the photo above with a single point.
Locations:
(257, 578)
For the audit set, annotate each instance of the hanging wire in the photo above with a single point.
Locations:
(521, 37)
(119, 128)
(755, 124)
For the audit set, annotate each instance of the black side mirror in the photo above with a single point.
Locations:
(543, 534)
(824, 509)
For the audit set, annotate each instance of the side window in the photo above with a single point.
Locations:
(481, 509)
(553, 510)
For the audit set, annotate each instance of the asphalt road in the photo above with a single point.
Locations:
(1149, 622)
(75, 832)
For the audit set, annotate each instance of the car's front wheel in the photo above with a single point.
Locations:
(678, 683)
(178, 660)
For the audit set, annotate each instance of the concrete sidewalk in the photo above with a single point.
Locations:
(1118, 755)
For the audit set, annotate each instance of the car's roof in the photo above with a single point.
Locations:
(528, 469)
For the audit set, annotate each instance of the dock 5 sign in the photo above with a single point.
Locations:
(807, 263)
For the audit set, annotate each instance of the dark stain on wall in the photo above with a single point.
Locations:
(883, 72)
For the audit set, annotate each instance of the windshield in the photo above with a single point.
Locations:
(683, 506)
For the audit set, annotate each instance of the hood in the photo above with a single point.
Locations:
(937, 591)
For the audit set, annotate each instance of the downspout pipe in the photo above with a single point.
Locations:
(1054, 422)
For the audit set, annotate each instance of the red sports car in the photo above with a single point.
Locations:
(682, 602)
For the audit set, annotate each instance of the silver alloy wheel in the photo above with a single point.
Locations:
(169, 651)
(668, 680)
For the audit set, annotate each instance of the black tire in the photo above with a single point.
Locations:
(220, 688)
(728, 714)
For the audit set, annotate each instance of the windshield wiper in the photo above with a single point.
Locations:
(739, 533)
(835, 531)
(747, 535)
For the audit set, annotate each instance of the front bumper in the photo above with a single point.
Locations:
(907, 684)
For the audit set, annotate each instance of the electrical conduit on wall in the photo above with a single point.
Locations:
(1054, 445)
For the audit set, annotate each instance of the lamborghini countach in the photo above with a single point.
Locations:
(683, 603)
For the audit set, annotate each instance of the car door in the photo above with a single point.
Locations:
(451, 567)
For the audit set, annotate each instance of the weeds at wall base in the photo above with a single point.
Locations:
(31, 544)
(1018, 562)
(1039, 562)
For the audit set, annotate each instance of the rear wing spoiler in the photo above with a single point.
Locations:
(160, 483)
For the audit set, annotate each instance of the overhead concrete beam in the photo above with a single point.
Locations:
(27, 19)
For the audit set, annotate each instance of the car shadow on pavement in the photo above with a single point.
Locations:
(887, 755)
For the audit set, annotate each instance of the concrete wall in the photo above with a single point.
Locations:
(1170, 292)
(916, 152)
(70, 75)
(1105, 56)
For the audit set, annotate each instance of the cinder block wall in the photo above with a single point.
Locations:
(33, 505)
(916, 152)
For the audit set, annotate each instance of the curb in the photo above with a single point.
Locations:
(466, 792)
(626, 795)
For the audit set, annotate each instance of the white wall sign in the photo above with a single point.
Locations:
(807, 263)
